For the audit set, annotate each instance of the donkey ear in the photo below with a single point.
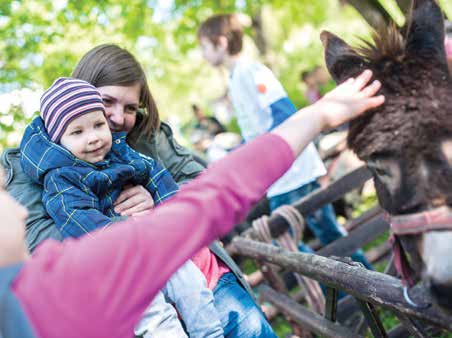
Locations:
(425, 37)
(341, 60)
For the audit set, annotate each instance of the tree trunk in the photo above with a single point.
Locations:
(371, 11)
(258, 33)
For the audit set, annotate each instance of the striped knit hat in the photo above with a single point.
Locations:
(66, 100)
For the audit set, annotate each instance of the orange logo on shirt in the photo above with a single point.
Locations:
(261, 88)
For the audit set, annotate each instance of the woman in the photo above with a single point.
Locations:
(130, 107)
(99, 286)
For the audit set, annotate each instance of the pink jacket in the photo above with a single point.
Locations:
(99, 286)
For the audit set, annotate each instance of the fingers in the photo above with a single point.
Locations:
(376, 101)
(371, 89)
(366, 104)
(138, 209)
(127, 193)
(133, 205)
(362, 80)
(133, 200)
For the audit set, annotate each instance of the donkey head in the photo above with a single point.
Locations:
(407, 143)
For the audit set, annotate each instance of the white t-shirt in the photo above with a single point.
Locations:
(253, 89)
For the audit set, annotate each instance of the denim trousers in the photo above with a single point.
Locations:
(322, 222)
(239, 314)
(187, 290)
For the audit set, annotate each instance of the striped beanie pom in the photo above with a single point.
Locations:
(65, 100)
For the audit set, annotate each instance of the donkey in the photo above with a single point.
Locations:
(407, 143)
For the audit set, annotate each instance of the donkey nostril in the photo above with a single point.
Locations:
(442, 294)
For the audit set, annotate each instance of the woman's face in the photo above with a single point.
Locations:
(121, 106)
(12, 228)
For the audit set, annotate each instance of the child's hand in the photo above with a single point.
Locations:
(349, 100)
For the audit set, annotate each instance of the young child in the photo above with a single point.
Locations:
(261, 104)
(83, 167)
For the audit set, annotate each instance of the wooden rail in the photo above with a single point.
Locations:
(309, 320)
(316, 200)
(370, 286)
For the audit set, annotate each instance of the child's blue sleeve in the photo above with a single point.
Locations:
(271, 95)
(74, 209)
(281, 110)
(161, 183)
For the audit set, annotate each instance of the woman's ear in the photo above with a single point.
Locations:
(341, 60)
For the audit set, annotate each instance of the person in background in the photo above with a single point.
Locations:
(204, 129)
(207, 123)
(261, 104)
(312, 92)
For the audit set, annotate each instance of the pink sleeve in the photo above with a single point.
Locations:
(98, 286)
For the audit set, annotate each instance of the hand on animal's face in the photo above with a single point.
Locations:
(349, 100)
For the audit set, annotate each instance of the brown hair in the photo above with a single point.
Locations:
(111, 65)
(226, 25)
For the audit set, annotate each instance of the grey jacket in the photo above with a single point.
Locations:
(163, 148)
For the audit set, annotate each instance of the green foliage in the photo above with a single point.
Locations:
(41, 40)
(12, 122)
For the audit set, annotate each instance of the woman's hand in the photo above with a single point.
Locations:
(348, 100)
(133, 201)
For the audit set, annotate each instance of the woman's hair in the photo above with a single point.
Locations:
(227, 25)
(111, 65)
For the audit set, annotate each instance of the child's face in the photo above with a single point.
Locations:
(310, 80)
(88, 137)
(212, 54)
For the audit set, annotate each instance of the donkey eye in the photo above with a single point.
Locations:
(380, 171)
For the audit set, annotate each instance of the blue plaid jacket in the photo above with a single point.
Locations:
(79, 196)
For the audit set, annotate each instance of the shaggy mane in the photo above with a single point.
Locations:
(388, 43)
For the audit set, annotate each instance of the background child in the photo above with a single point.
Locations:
(261, 104)
(312, 92)
(83, 167)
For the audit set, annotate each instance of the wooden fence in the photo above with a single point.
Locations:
(367, 289)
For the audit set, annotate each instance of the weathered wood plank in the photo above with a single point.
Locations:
(309, 320)
(317, 199)
(366, 233)
(351, 225)
(377, 288)
(364, 218)
(379, 252)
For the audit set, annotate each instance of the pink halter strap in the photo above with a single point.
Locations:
(436, 219)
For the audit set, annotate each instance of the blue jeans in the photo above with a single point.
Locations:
(239, 314)
(187, 290)
(322, 222)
